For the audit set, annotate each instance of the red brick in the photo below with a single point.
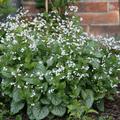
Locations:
(86, 28)
(92, 6)
(105, 29)
(114, 6)
(100, 18)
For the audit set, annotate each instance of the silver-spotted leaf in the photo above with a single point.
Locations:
(58, 111)
(40, 112)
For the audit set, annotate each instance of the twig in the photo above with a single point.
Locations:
(46, 5)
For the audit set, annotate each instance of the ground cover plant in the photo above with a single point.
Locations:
(50, 67)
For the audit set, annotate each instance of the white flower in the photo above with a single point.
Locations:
(19, 86)
(4, 69)
(13, 73)
(73, 8)
(32, 104)
(50, 90)
(22, 50)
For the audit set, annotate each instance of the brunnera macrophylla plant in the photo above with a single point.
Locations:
(53, 68)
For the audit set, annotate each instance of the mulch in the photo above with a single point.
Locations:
(112, 108)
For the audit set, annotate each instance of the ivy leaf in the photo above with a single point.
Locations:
(16, 106)
(40, 112)
(58, 110)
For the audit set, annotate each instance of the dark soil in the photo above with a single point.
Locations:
(112, 108)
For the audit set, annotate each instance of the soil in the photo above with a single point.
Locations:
(112, 108)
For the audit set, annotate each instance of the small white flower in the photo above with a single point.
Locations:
(19, 86)
(50, 90)
(32, 104)
(13, 73)
(4, 69)
(22, 50)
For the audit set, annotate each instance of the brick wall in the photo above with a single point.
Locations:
(99, 16)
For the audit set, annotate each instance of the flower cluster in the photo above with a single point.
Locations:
(51, 64)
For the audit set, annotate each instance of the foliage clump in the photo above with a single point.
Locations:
(5, 8)
(51, 66)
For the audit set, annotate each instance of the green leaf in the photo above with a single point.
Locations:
(18, 117)
(76, 91)
(45, 101)
(48, 75)
(92, 111)
(50, 62)
(90, 98)
(84, 95)
(98, 54)
(100, 105)
(55, 100)
(99, 96)
(58, 111)
(40, 68)
(28, 57)
(111, 98)
(6, 74)
(32, 81)
(17, 95)
(40, 112)
(2, 47)
(45, 86)
(30, 113)
(95, 63)
(16, 106)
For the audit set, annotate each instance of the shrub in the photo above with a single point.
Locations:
(5, 8)
(53, 68)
